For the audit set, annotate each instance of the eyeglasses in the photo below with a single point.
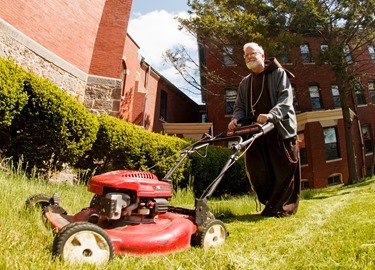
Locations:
(250, 54)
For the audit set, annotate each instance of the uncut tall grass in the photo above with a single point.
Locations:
(333, 229)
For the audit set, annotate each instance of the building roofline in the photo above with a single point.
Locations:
(174, 87)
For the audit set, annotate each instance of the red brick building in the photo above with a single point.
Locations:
(319, 116)
(150, 100)
(85, 49)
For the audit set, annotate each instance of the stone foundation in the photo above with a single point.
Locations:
(103, 95)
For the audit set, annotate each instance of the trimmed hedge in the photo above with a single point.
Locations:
(205, 170)
(52, 129)
(12, 96)
(122, 145)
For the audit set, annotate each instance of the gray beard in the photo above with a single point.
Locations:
(251, 64)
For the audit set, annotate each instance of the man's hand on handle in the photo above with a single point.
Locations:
(261, 119)
(232, 124)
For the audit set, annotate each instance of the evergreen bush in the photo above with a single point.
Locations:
(206, 169)
(52, 129)
(121, 145)
(12, 96)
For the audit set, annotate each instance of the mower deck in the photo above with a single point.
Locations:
(169, 232)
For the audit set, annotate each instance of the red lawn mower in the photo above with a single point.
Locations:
(130, 214)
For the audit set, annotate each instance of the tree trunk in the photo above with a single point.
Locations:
(373, 157)
(349, 142)
(348, 127)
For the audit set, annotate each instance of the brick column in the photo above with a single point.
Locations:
(110, 40)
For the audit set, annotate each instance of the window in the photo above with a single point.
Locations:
(305, 53)
(295, 100)
(367, 138)
(202, 55)
(336, 95)
(331, 143)
(228, 55)
(305, 184)
(323, 47)
(371, 51)
(163, 105)
(284, 55)
(230, 98)
(324, 50)
(360, 97)
(302, 148)
(284, 59)
(335, 179)
(124, 72)
(347, 53)
(315, 97)
(203, 118)
(371, 91)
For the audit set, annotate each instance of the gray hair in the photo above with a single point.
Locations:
(255, 46)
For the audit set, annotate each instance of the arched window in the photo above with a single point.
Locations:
(123, 78)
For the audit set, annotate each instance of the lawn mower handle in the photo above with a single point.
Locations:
(248, 120)
(253, 131)
(260, 131)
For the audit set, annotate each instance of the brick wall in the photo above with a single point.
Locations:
(66, 28)
(87, 34)
(110, 39)
(318, 169)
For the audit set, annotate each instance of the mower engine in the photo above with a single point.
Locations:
(128, 195)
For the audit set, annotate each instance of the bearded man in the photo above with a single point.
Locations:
(272, 162)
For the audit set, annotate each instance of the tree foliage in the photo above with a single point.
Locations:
(226, 25)
(346, 28)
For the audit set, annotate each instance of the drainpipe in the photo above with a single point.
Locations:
(145, 102)
(361, 137)
(362, 148)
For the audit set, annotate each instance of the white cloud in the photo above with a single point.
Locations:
(157, 32)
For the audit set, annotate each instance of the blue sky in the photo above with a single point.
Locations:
(154, 28)
(146, 6)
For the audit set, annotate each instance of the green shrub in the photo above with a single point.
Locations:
(12, 96)
(160, 152)
(206, 169)
(52, 128)
(122, 145)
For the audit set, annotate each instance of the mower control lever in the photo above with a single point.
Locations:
(248, 120)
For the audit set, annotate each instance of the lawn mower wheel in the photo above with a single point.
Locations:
(83, 242)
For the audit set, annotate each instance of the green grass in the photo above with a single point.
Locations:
(333, 229)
